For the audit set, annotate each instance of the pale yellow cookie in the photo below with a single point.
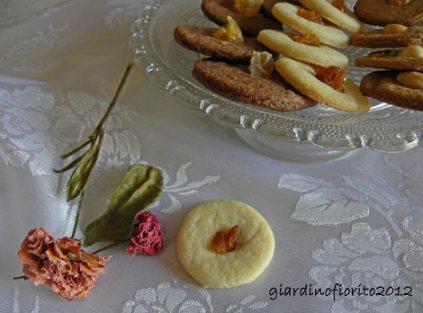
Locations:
(286, 13)
(302, 77)
(320, 55)
(329, 12)
(253, 251)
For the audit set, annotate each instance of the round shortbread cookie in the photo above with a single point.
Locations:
(286, 13)
(329, 12)
(321, 55)
(252, 254)
(302, 77)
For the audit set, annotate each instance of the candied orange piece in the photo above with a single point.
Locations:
(339, 4)
(261, 64)
(230, 32)
(247, 8)
(224, 242)
(310, 15)
(332, 76)
(307, 39)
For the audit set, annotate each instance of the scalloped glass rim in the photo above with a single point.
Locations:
(386, 128)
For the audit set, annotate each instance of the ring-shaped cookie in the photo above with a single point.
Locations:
(253, 251)
(286, 13)
(320, 55)
(268, 5)
(302, 77)
(326, 10)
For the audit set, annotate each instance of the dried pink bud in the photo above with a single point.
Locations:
(149, 236)
(61, 264)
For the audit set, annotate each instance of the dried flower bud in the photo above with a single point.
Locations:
(62, 264)
(149, 236)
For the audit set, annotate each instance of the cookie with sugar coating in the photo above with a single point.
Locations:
(384, 86)
(286, 13)
(235, 82)
(382, 12)
(253, 250)
(329, 12)
(410, 58)
(200, 39)
(320, 55)
(302, 77)
(393, 35)
(218, 10)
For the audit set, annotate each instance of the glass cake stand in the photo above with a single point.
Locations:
(315, 134)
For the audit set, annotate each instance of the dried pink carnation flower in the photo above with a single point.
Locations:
(61, 264)
(149, 236)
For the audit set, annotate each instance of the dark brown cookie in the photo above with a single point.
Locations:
(201, 40)
(391, 62)
(378, 39)
(383, 86)
(235, 82)
(381, 12)
(218, 10)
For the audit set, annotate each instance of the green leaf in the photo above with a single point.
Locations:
(80, 175)
(140, 187)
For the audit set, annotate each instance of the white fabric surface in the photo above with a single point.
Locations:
(353, 220)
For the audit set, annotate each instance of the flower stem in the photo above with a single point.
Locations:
(115, 98)
(92, 138)
(75, 150)
(109, 246)
(78, 213)
(20, 277)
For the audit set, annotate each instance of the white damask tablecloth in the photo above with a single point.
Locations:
(356, 220)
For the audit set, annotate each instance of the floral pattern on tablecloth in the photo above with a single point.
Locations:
(369, 256)
(175, 296)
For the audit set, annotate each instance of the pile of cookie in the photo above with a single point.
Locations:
(401, 83)
(252, 59)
